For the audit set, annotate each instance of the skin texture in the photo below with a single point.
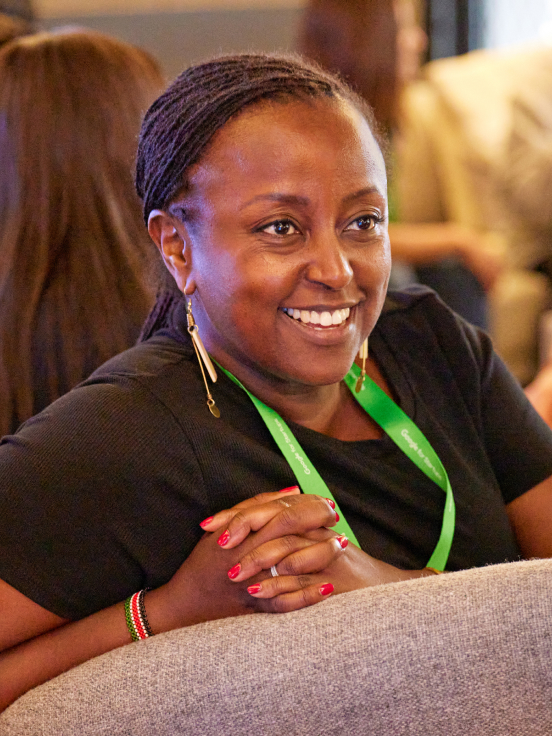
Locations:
(286, 209)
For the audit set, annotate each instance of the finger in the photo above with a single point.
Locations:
(290, 556)
(296, 598)
(290, 515)
(222, 518)
(266, 555)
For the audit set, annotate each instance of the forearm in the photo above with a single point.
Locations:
(30, 664)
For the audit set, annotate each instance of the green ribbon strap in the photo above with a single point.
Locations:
(406, 435)
(400, 428)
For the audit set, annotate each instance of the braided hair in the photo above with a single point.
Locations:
(180, 124)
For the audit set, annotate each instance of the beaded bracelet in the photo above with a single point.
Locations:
(135, 614)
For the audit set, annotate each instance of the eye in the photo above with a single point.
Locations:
(280, 227)
(364, 223)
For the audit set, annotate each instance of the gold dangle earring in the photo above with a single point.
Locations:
(202, 357)
(363, 354)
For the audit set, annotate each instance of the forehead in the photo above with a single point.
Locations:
(295, 140)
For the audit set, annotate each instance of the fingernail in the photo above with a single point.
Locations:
(289, 490)
(254, 589)
(223, 539)
(206, 521)
(332, 503)
(336, 517)
(326, 589)
(343, 541)
(234, 571)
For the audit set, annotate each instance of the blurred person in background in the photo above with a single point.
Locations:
(73, 247)
(476, 147)
(377, 46)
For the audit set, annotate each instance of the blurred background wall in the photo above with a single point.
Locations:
(179, 32)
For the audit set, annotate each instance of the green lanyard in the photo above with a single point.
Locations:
(400, 428)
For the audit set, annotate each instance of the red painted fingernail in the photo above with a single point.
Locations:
(289, 490)
(336, 517)
(206, 521)
(254, 589)
(234, 571)
(343, 541)
(332, 503)
(326, 589)
(223, 539)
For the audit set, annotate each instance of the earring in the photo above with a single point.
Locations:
(202, 357)
(363, 354)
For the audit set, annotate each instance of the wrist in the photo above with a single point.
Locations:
(161, 612)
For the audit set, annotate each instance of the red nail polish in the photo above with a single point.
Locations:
(234, 571)
(289, 490)
(326, 589)
(206, 521)
(254, 589)
(343, 541)
(223, 539)
(332, 503)
(336, 517)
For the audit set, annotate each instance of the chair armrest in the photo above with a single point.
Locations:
(456, 654)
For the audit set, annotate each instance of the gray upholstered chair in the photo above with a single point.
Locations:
(467, 653)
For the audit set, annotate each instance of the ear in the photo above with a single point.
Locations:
(171, 237)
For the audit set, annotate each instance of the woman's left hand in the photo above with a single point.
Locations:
(291, 534)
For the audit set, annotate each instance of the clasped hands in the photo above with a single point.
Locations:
(228, 572)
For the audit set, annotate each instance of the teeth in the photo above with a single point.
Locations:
(325, 319)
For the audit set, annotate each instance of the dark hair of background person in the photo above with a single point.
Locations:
(356, 39)
(180, 124)
(74, 251)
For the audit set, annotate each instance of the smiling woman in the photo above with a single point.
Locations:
(304, 234)
(264, 190)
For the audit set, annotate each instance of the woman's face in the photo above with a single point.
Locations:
(286, 241)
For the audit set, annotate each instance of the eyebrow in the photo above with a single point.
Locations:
(278, 197)
(303, 201)
(362, 193)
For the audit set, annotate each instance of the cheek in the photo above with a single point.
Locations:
(238, 290)
(376, 266)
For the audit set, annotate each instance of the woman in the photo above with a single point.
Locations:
(73, 290)
(376, 46)
(264, 190)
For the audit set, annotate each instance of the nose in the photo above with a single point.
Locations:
(328, 263)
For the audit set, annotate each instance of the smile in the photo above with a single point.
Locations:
(319, 319)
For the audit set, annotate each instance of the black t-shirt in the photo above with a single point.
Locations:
(102, 493)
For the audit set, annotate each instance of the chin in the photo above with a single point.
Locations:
(319, 375)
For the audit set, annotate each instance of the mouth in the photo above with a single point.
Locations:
(319, 320)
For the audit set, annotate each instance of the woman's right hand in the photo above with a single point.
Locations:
(203, 589)
(312, 560)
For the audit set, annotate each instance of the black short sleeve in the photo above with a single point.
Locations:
(92, 494)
